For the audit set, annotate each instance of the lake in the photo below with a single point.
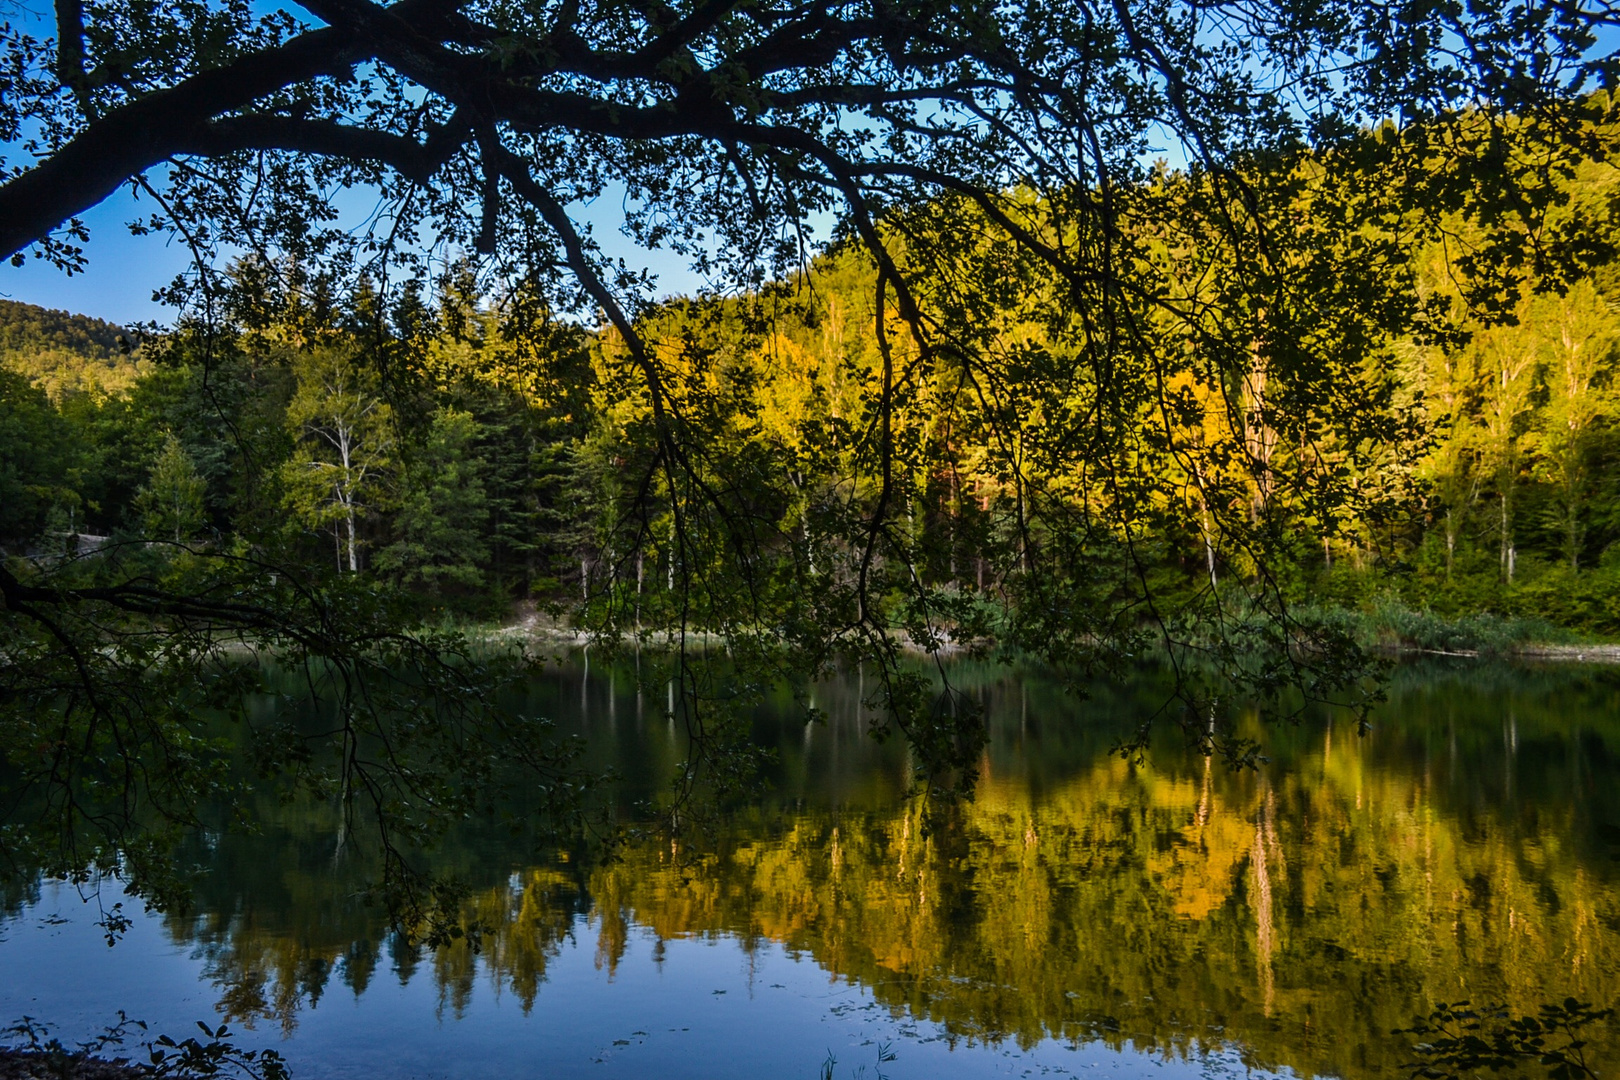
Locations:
(1080, 915)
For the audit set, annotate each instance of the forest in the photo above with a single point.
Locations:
(481, 455)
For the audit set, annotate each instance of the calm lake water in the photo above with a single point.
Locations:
(1080, 915)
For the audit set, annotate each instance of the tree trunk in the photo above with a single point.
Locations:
(1207, 524)
(1209, 551)
(1507, 558)
(1259, 437)
(354, 556)
(1572, 518)
(1451, 543)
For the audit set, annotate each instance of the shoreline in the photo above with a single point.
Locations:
(1564, 654)
(532, 627)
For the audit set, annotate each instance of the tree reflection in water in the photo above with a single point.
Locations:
(1301, 911)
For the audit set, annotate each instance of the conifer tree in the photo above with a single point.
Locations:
(171, 503)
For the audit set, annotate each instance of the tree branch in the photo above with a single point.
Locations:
(327, 138)
(131, 139)
(70, 50)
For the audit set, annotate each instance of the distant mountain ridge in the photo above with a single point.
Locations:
(63, 352)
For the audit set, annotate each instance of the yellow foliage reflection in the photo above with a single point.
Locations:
(1299, 913)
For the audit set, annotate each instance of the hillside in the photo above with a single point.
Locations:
(66, 353)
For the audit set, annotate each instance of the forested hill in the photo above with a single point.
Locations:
(62, 352)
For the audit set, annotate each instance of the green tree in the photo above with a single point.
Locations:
(346, 446)
(1507, 381)
(442, 518)
(38, 459)
(1578, 333)
(172, 501)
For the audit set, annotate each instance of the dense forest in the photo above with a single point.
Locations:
(476, 451)
(63, 353)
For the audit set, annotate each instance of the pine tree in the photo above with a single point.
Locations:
(171, 504)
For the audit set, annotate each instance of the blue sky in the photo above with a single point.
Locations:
(124, 270)
(118, 283)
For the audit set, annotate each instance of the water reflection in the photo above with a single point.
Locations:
(1298, 912)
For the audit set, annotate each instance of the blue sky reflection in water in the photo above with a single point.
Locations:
(709, 1008)
(1081, 915)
